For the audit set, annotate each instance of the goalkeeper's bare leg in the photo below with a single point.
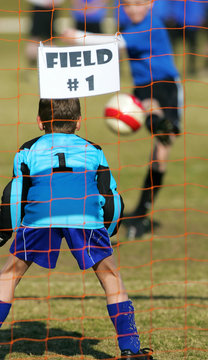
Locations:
(110, 280)
(10, 276)
(120, 310)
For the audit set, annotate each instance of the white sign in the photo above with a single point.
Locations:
(68, 72)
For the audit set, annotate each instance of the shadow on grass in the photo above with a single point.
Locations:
(32, 338)
(133, 297)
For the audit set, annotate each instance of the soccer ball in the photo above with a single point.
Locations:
(124, 114)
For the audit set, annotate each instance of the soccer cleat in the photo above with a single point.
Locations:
(142, 354)
(129, 219)
(139, 227)
(4, 237)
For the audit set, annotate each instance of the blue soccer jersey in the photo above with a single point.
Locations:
(61, 180)
(163, 10)
(150, 51)
(91, 13)
(192, 14)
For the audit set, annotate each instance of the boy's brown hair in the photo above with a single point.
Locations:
(59, 115)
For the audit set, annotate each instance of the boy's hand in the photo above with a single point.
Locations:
(70, 35)
(4, 237)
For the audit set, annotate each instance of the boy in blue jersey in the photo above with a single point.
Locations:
(157, 85)
(62, 187)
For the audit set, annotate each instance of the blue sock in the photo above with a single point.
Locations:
(4, 311)
(122, 316)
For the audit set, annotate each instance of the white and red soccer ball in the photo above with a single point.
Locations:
(124, 114)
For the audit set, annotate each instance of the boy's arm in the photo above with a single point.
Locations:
(14, 199)
(93, 7)
(5, 217)
(78, 37)
(114, 206)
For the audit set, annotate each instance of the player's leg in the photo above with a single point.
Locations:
(110, 280)
(92, 248)
(10, 276)
(120, 310)
(40, 246)
(163, 122)
(137, 222)
(140, 223)
(118, 304)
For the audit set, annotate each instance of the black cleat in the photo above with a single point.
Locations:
(130, 219)
(140, 226)
(143, 354)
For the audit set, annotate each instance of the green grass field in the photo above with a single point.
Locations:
(61, 314)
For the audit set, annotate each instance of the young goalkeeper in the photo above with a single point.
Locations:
(62, 187)
(157, 85)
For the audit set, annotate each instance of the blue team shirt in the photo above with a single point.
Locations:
(189, 13)
(96, 16)
(163, 9)
(60, 173)
(150, 51)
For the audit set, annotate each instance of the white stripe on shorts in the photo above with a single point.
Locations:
(25, 249)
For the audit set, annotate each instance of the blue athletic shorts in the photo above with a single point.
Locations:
(42, 245)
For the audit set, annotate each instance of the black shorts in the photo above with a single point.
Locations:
(42, 22)
(170, 97)
(177, 33)
(93, 27)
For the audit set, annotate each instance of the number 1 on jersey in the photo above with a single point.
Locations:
(62, 164)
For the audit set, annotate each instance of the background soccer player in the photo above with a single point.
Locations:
(156, 81)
